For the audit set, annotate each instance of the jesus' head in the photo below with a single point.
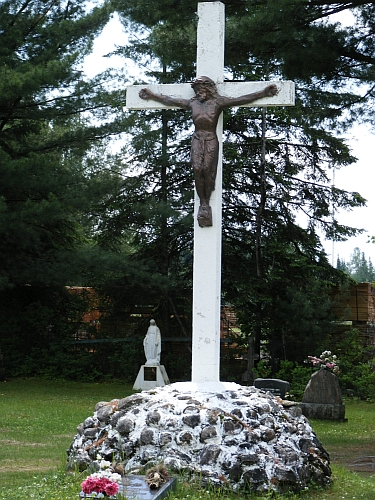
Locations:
(204, 88)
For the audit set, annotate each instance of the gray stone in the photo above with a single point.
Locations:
(268, 435)
(147, 436)
(80, 428)
(209, 454)
(248, 458)
(220, 396)
(191, 410)
(305, 444)
(90, 422)
(322, 398)
(177, 459)
(253, 436)
(232, 427)
(192, 420)
(237, 412)
(185, 437)
(115, 417)
(230, 441)
(235, 473)
(104, 413)
(288, 455)
(254, 477)
(295, 411)
(130, 401)
(263, 408)
(127, 449)
(91, 432)
(208, 433)
(148, 455)
(99, 405)
(212, 416)
(153, 417)
(125, 425)
(165, 438)
(193, 402)
(81, 461)
(285, 474)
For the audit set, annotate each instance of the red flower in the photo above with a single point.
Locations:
(99, 485)
(111, 489)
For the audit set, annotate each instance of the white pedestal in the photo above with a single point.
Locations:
(150, 377)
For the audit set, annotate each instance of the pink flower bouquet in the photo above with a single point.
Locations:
(326, 360)
(94, 484)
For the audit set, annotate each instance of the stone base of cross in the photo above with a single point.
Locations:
(207, 240)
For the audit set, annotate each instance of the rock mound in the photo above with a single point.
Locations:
(242, 437)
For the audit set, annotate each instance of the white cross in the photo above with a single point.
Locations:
(207, 240)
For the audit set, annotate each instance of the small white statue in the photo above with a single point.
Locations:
(152, 345)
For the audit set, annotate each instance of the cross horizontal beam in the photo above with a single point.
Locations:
(285, 96)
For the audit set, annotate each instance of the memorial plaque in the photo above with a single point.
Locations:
(149, 373)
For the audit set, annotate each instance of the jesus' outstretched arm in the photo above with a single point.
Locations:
(228, 102)
(164, 99)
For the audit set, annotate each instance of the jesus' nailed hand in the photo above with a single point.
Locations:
(206, 107)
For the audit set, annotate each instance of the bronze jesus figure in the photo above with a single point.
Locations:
(206, 107)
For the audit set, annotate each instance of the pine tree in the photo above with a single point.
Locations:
(359, 268)
(341, 265)
(50, 114)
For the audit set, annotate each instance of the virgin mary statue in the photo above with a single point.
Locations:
(152, 345)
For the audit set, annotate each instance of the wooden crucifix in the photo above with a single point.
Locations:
(206, 97)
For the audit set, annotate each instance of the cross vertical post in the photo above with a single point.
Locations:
(207, 241)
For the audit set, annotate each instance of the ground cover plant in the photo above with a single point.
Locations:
(38, 420)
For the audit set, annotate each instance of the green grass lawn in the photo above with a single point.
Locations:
(38, 420)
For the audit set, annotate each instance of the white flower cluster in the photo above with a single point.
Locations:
(105, 470)
(112, 476)
(327, 356)
(104, 464)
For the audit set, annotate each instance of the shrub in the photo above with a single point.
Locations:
(357, 363)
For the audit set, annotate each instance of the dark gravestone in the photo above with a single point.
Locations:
(322, 398)
(274, 385)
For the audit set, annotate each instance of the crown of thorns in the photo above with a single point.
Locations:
(203, 80)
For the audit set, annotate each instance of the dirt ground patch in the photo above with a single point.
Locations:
(13, 442)
(356, 458)
(41, 466)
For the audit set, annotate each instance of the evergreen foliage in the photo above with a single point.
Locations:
(357, 366)
(358, 268)
(276, 166)
(49, 116)
(56, 175)
(72, 213)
